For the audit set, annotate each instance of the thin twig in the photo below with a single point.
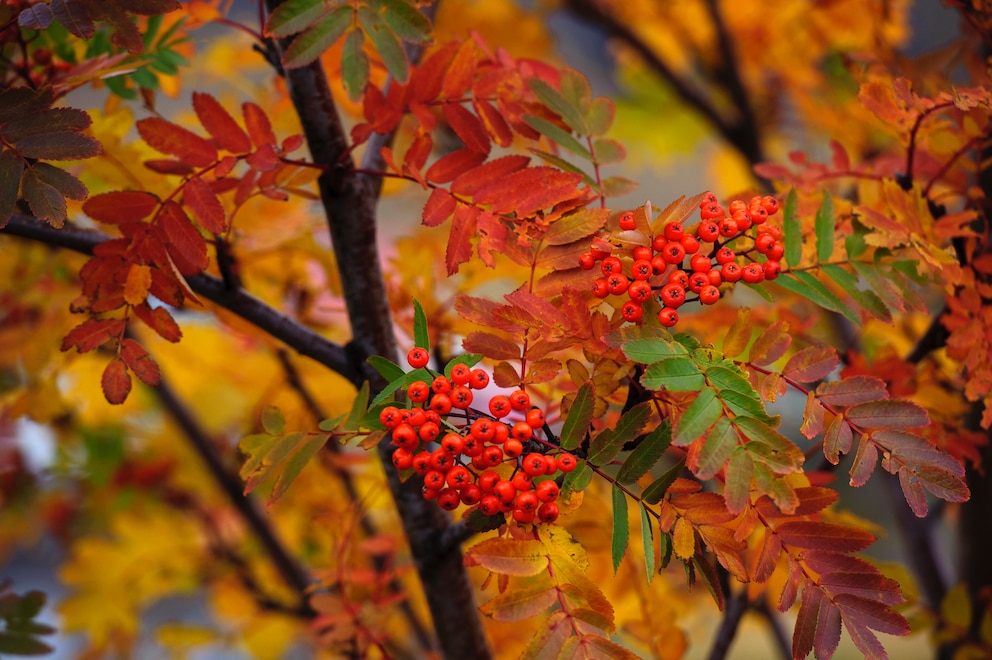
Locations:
(732, 615)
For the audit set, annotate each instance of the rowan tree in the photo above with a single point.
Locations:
(537, 419)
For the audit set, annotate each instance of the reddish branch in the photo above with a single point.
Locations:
(349, 204)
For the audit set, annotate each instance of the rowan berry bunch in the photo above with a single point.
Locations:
(467, 456)
(682, 265)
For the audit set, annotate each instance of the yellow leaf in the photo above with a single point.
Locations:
(739, 334)
(508, 556)
(683, 539)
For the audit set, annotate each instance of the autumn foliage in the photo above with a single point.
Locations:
(590, 414)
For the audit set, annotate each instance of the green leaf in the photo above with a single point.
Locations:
(317, 38)
(354, 64)
(599, 117)
(562, 164)
(468, 359)
(277, 461)
(698, 417)
(769, 446)
(807, 286)
(883, 287)
(406, 21)
(273, 421)
(865, 298)
(386, 43)
(651, 350)
(737, 487)
(481, 523)
(617, 186)
(647, 540)
(557, 135)
(608, 443)
(576, 425)
(576, 480)
(558, 104)
(420, 336)
(657, 489)
(717, 448)
(19, 644)
(608, 151)
(386, 368)
(825, 229)
(575, 89)
(646, 454)
(762, 291)
(358, 408)
(792, 230)
(621, 531)
(678, 374)
(331, 423)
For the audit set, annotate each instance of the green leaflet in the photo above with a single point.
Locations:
(792, 231)
(573, 431)
(657, 489)
(825, 229)
(646, 454)
(647, 540)
(698, 417)
(621, 527)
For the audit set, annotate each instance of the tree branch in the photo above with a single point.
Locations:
(296, 335)
(736, 607)
(349, 204)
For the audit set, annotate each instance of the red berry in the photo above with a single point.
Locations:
(690, 244)
(513, 447)
(716, 279)
(587, 261)
(461, 397)
(448, 499)
(776, 251)
(416, 417)
(763, 243)
(483, 429)
(658, 264)
(430, 493)
(429, 431)
(548, 512)
(758, 214)
(708, 232)
(527, 500)
(489, 505)
(522, 431)
(458, 477)
(390, 417)
(471, 494)
(611, 266)
(679, 277)
(710, 210)
(441, 404)
(402, 458)
(753, 273)
(524, 517)
(674, 231)
(617, 283)
(567, 462)
(452, 443)
(743, 220)
(725, 255)
(600, 288)
(709, 294)
(639, 291)
(405, 436)
(478, 380)
(697, 281)
(533, 465)
(770, 204)
(700, 263)
(472, 446)
(673, 253)
(501, 435)
(421, 462)
(627, 221)
(642, 253)
(673, 295)
(441, 460)
(520, 400)
(659, 242)
(535, 417)
(434, 479)
(632, 311)
(642, 270)
(418, 391)
(547, 491)
(418, 357)
(492, 455)
(550, 464)
(728, 227)
(708, 198)
(668, 317)
(737, 205)
(731, 272)
(487, 480)
(499, 406)
(461, 373)
(599, 255)
(441, 385)
(504, 490)
(772, 269)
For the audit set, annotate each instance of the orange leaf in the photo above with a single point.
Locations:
(140, 362)
(811, 364)
(828, 537)
(574, 226)
(458, 77)
(771, 344)
(220, 124)
(259, 126)
(445, 169)
(205, 206)
(116, 382)
(494, 123)
(467, 127)
(468, 183)
(459, 248)
(683, 539)
(174, 140)
(492, 346)
(812, 424)
(440, 205)
(527, 191)
(508, 556)
(139, 279)
(521, 602)
(160, 320)
(120, 206)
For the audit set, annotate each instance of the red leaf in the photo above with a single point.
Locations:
(864, 462)
(492, 231)
(264, 159)
(468, 183)
(74, 17)
(183, 237)
(220, 124)
(116, 382)
(426, 79)
(459, 248)
(828, 537)
(120, 206)
(417, 154)
(140, 362)
(574, 226)
(461, 71)
(159, 320)
(59, 145)
(259, 127)
(54, 120)
(447, 168)
(811, 364)
(852, 391)
(440, 205)
(92, 334)
(44, 200)
(467, 127)
(174, 140)
(168, 166)
(862, 612)
(205, 206)
(492, 346)
(67, 184)
(527, 191)
(888, 414)
(495, 125)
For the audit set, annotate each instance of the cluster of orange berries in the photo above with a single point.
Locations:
(659, 271)
(457, 448)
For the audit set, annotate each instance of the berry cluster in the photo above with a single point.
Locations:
(470, 445)
(659, 271)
